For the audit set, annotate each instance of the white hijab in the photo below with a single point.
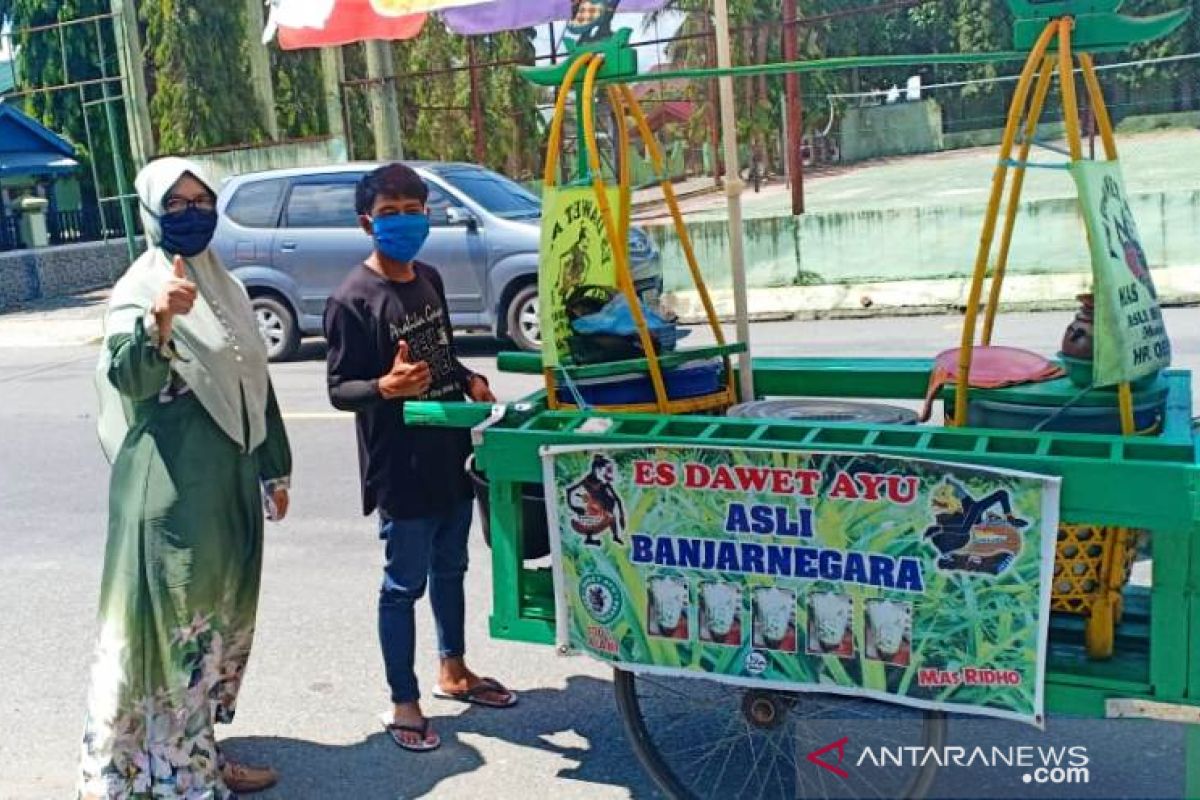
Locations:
(226, 359)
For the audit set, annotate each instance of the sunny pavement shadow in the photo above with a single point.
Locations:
(584, 712)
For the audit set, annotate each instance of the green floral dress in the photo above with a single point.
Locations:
(180, 586)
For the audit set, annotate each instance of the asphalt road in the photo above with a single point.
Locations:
(315, 686)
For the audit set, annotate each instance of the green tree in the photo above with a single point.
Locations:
(440, 128)
(201, 95)
(299, 98)
(511, 105)
(1159, 87)
(48, 60)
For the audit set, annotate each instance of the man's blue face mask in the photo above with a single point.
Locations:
(400, 236)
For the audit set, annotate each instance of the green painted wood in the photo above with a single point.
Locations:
(827, 64)
(876, 378)
(1149, 483)
(537, 594)
(445, 415)
(526, 631)
(1082, 701)
(1107, 480)
(1177, 427)
(1188, 606)
(1046, 10)
(1191, 755)
(518, 362)
(620, 61)
(1173, 549)
(1103, 33)
(505, 501)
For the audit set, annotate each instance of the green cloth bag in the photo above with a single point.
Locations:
(575, 252)
(1130, 338)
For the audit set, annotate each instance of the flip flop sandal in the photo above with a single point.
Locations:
(246, 779)
(395, 730)
(475, 695)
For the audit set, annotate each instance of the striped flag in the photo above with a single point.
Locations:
(328, 23)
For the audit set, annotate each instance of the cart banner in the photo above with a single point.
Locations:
(916, 582)
(575, 253)
(1130, 337)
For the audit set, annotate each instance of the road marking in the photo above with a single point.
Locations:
(318, 415)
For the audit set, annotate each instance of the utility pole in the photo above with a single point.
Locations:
(733, 195)
(260, 68)
(385, 111)
(133, 81)
(714, 123)
(333, 72)
(794, 128)
(124, 191)
(477, 122)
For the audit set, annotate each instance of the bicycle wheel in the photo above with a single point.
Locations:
(702, 739)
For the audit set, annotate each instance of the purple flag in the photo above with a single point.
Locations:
(509, 15)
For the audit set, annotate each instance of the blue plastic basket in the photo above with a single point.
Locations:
(694, 379)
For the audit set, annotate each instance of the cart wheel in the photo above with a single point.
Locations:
(699, 739)
(1099, 634)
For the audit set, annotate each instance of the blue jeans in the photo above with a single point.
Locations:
(425, 551)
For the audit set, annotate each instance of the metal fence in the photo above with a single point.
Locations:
(10, 233)
(64, 227)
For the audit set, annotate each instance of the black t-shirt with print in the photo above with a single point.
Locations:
(406, 471)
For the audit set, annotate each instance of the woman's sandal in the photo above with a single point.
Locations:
(397, 731)
(476, 695)
(245, 779)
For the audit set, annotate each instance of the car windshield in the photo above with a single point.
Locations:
(496, 193)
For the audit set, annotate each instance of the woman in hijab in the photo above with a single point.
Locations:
(189, 420)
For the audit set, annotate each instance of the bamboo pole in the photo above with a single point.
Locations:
(986, 238)
(612, 228)
(1014, 201)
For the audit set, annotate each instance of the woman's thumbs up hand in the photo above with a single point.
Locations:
(176, 297)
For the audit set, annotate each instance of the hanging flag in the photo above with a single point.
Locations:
(328, 23)
(508, 15)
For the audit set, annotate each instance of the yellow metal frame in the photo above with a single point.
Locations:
(1045, 65)
(1092, 563)
(627, 109)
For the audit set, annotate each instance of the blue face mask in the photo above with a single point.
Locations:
(187, 233)
(400, 236)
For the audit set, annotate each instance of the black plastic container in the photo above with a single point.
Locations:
(820, 410)
(536, 533)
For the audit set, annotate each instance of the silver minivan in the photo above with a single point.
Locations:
(291, 235)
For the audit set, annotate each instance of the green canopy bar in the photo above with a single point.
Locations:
(824, 64)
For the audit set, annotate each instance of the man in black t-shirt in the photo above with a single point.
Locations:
(390, 340)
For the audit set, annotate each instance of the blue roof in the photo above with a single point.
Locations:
(36, 164)
(29, 148)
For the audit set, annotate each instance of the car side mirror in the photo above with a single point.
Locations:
(457, 215)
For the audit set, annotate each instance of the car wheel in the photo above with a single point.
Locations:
(524, 322)
(277, 324)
